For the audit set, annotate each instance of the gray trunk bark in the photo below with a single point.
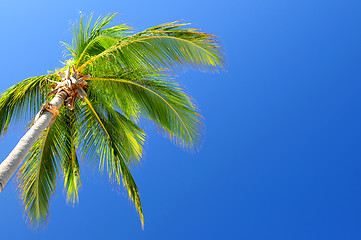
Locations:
(9, 166)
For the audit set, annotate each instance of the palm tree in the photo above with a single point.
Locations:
(120, 78)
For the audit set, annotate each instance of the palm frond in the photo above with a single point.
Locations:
(23, 100)
(70, 164)
(162, 101)
(91, 39)
(103, 135)
(37, 176)
(162, 47)
(128, 133)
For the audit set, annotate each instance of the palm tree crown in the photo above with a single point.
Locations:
(126, 77)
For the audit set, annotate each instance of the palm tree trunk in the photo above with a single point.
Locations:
(9, 166)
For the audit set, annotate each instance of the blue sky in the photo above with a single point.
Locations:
(281, 156)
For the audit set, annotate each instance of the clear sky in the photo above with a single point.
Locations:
(282, 152)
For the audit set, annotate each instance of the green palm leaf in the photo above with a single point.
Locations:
(102, 135)
(23, 100)
(37, 176)
(162, 101)
(70, 164)
(90, 40)
(163, 47)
